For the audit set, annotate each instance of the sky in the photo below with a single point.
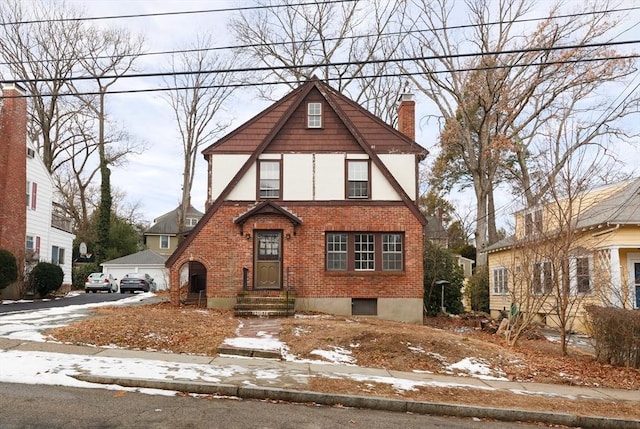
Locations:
(153, 179)
(42, 367)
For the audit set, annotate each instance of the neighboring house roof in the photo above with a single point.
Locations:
(371, 134)
(168, 222)
(620, 208)
(503, 244)
(145, 257)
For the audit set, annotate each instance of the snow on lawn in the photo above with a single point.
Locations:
(27, 325)
(476, 368)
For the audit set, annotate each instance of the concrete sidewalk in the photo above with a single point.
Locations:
(263, 378)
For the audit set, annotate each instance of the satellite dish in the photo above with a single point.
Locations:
(83, 249)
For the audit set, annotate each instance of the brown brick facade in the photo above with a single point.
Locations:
(13, 172)
(224, 248)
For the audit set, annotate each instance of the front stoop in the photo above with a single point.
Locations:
(259, 305)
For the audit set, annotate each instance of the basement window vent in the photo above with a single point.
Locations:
(364, 306)
(31, 153)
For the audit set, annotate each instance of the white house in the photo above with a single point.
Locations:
(49, 237)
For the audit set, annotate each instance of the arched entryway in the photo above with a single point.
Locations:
(193, 283)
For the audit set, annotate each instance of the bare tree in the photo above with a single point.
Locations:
(197, 99)
(500, 89)
(553, 260)
(43, 54)
(110, 54)
(335, 42)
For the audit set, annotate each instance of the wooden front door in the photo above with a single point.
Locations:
(268, 259)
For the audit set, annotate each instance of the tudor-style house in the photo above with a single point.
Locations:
(313, 197)
(596, 252)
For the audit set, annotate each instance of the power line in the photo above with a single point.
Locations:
(188, 12)
(328, 39)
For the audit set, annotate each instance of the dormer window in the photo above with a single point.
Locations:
(533, 222)
(314, 115)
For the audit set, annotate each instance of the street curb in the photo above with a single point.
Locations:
(367, 402)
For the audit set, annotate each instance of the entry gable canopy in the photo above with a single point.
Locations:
(268, 207)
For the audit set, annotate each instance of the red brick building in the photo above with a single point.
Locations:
(13, 171)
(315, 196)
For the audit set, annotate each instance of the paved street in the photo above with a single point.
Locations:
(80, 298)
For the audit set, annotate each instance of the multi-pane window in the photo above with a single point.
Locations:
(164, 242)
(269, 179)
(269, 246)
(360, 251)
(391, 252)
(358, 179)
(500, 280)
(533, 222)
(57, 255)
(336, 252)
(542, 281)
(364, 252)
(583, 275)
(191, 221)
(30, 243)
(314, 115)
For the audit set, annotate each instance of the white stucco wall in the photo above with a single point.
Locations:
(314, 177)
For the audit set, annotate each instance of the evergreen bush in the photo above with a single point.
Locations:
(8, 268)
(46, 278)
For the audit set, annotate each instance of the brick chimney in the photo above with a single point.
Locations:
(407, 116)
(13, 171)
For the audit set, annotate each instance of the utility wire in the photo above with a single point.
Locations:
(369, 62)
(188, 12)
(328, 39)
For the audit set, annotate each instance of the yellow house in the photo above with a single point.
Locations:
(579, 250)
(162, 236)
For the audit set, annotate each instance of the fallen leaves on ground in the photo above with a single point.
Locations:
(373, 343)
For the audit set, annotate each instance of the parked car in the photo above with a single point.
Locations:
(100, 281)
(136, 281)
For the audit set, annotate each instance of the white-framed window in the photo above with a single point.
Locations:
(165, 241)
(191, 221)
(30, 243)
(357, 179)
(364, 252)
(533, 222)
(392, 252)
(581, 274)
(314, 115)
(500, 280)
(542, 279)
(336, 252)
(269, 179)
(57, 255)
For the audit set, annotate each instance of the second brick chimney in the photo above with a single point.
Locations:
(407, 116)
(13, 170)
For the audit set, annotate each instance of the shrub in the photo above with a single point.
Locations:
(46, 278)
(478, 289)
(81, 272)
(616, 335)
(8, 268)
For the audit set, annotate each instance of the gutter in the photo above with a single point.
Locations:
(606, 231)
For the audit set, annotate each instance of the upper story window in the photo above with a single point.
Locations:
(57, 255)
(32, 195)
(533, 222)
(358, 179)
(314, 115)
(164, 242)
(191, 221)
(269, 179)
(500, 280)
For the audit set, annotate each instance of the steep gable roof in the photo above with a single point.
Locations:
(168, 222)
(259, 132)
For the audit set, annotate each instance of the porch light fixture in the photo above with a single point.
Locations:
(247, 236)
(288, 236)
